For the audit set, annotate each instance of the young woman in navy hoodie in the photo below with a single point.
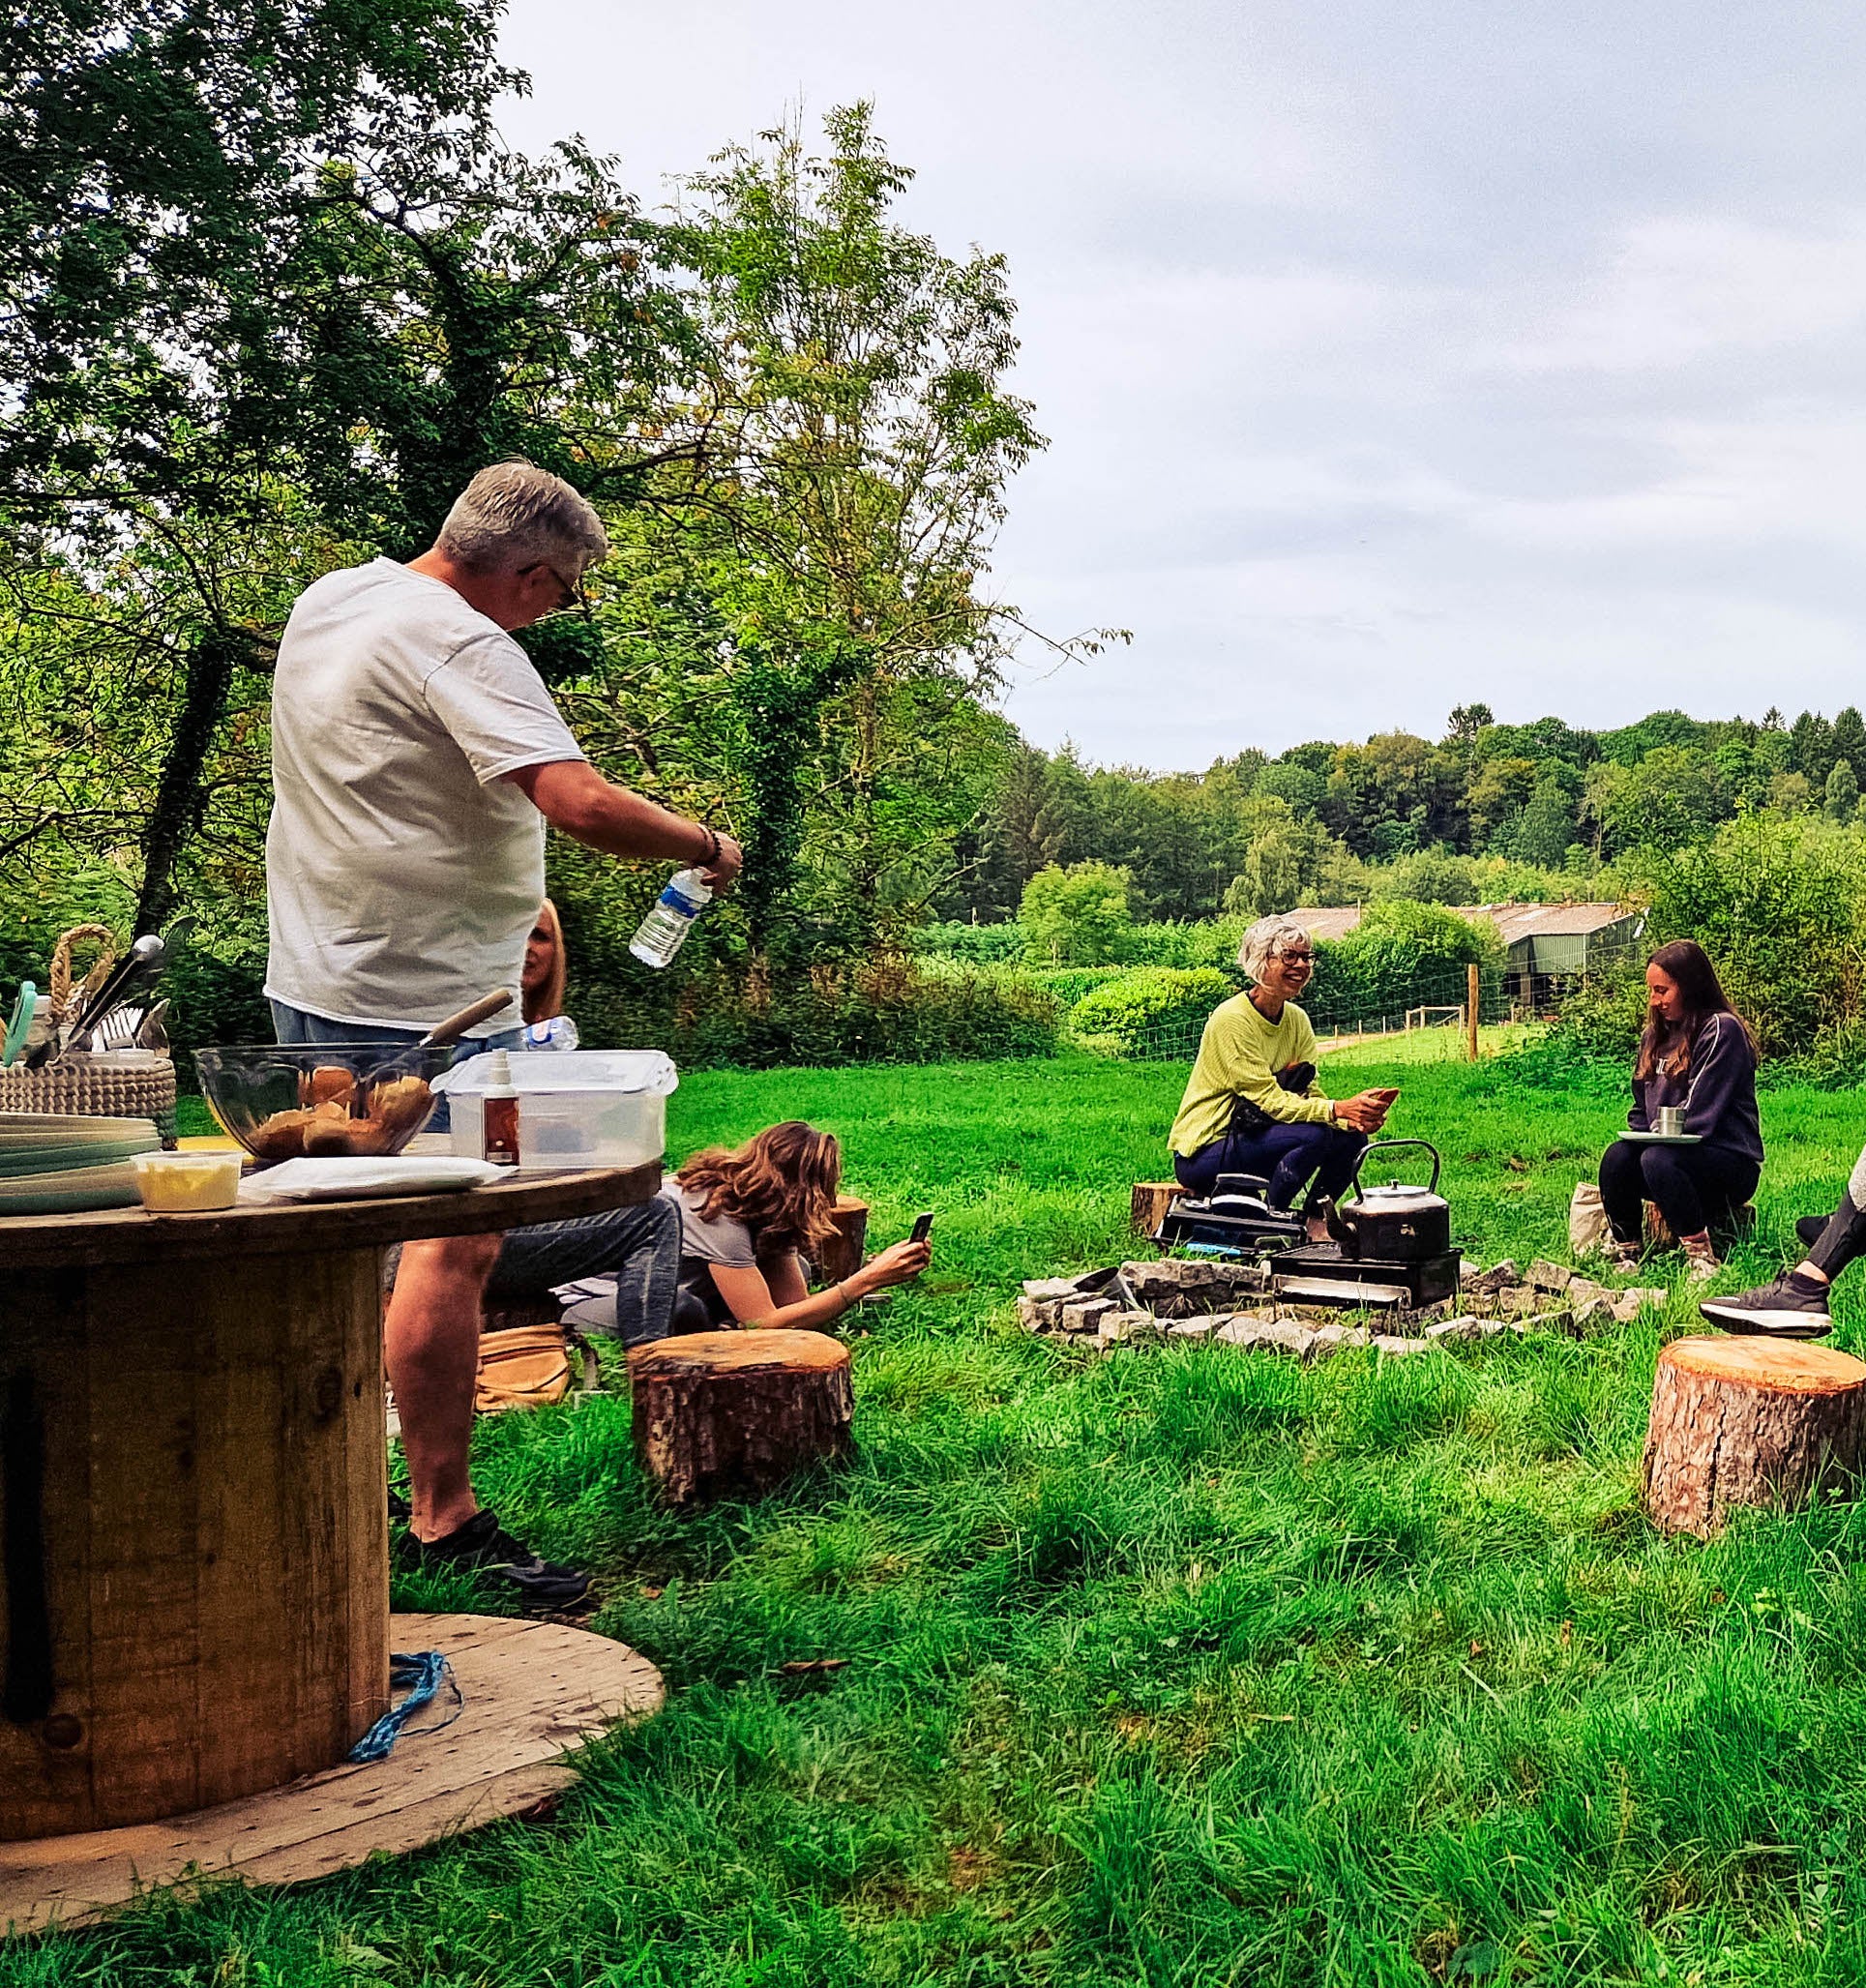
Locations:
(1696, 1054)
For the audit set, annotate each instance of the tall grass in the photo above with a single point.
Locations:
(1183, 1667)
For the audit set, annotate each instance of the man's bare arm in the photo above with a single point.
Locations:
(575, 798)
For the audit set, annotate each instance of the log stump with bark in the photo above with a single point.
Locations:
(1750, 1422)
(841, 1255)
(1148, 1203)
(717, 1413)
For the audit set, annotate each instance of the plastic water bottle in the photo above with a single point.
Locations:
(662, 932)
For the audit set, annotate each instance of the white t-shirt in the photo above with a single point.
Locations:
(402, 873)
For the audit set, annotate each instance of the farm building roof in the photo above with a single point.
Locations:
(1513, 921)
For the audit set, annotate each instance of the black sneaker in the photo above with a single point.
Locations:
(1793, 1307)
(400, 1511)
(483, 1546)
(1811, 1229)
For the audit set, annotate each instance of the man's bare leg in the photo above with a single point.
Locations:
(431, 1342)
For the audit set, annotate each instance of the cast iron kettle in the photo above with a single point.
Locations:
(1393, 1224)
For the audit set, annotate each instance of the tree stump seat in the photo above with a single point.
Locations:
(717, 1413)
(1148, 1203)
(1750, 1422)
(841, 1255)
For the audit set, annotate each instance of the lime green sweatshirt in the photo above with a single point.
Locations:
(1239, 1056)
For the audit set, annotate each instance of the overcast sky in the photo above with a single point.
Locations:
(1392, 356)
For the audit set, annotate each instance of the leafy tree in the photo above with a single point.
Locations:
(1077, 916)
(1501, 788)
(1284, 860)
(1290, 779)
(1842, 792)
(1546, 826)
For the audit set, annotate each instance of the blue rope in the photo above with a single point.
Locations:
(424, 1672)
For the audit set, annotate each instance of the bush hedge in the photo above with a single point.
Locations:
(1153, 1012)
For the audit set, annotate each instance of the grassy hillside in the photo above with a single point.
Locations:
(1184, 1667)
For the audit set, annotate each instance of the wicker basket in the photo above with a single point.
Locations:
(88, 1086)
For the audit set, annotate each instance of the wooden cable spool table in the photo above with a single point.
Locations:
(194, 1526)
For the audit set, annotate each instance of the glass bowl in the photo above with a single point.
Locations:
(329, 1099)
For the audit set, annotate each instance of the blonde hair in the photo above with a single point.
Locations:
(1264, 940)
(781, 1183)
(547, 999)
(516, 515)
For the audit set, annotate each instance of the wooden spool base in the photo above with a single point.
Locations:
(532, 1690)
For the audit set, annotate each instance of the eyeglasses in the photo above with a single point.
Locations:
(1297, 958)
(573, 595)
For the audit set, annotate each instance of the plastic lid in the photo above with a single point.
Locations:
(498, 1070)
(691, 884)
(648, 1071)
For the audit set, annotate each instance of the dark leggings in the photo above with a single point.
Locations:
(1697, 1187)
(1286, 1155)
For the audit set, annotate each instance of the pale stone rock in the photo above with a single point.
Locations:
(1331, 1338)
(1499, 1277)
(1543, 1275)
(1392, 1348)
(1085, 1315)
(1193, 1329)
(1464, 1331)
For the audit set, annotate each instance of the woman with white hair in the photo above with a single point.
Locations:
(1253, 1104)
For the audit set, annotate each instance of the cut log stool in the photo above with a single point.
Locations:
(1148, 1204)
(1750, 1422)
(717, 1413)
(841, 1255)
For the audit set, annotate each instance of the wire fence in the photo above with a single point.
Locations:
(1154, 1015)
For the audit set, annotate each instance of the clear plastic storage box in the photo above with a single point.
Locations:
(577, 1107)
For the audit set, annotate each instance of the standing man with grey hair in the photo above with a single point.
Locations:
(417, 757)
(1254, 1103)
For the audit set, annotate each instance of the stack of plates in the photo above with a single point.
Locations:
(57, 1165)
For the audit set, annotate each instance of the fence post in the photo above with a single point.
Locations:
(1470, 1008)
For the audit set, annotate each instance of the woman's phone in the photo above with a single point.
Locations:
(922, 1227)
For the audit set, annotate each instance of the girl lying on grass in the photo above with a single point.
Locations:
(748, 1219)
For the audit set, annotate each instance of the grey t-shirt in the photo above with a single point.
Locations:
(722, 1240)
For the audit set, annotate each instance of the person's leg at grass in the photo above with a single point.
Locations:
(432, 1350)
(1671, 1184)
(1797, 1305)
(1622, 1199)
(634, 1252)
(1286, 1156)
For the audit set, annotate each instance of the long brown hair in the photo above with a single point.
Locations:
(547, 1000)
(781, 1184)
(1665, 1048)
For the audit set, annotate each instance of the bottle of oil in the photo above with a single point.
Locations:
(670, 918)
(499, 1107)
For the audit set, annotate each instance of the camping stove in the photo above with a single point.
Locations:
(1317, 1273)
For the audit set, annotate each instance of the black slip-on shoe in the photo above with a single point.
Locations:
(1811, 1229)
(1790, 1308)
(400, 1511)
(483, 1546)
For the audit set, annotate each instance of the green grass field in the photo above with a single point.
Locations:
(1184, 1666)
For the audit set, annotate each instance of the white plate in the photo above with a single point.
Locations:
(1665, 1137)
(356, 1179)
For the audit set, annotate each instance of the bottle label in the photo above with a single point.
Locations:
(675, 902)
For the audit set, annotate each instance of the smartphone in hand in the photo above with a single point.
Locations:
(922, 1227)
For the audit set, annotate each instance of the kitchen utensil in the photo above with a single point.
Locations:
(142, 962)
(366, 1098)
(1670, 1121)
(457, 1026)
(152, 1034)
(18, 1024)
(577, 1107)
(1392, 1224)
(117, 1030)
